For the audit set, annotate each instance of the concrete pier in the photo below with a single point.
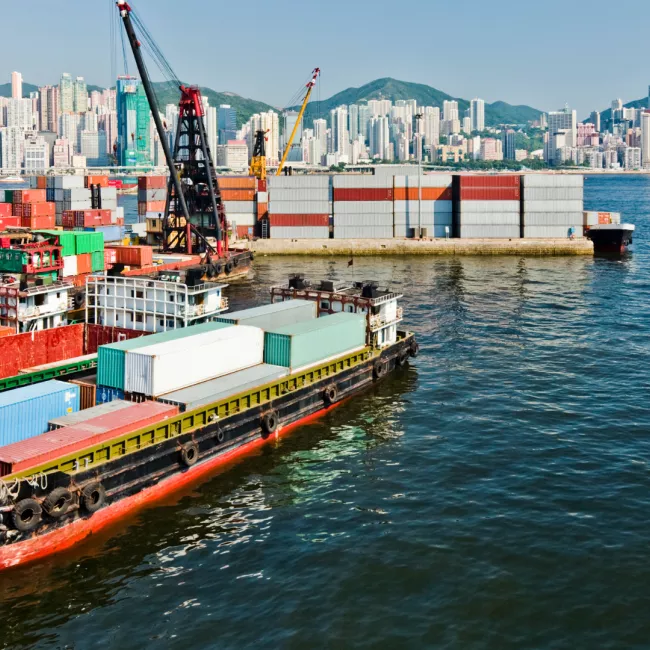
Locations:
(369, 247)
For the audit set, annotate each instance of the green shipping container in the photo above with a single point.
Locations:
(12, 261)
(111, 358)
(97, 261)
(67, 240)
(88, 242)
(9, 196)
(273, 316)
(309, 342)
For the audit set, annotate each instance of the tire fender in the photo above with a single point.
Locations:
(58, 502)
(189, 454)
(27, 515)
(93, 497)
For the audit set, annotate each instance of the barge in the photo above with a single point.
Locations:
(60, 487)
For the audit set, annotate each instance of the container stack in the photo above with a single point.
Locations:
(553, 205)
(238, 196)
(489, 206)
(82, 252)
(7, 217)
(600, 218)
(434, 213)
(152, 196)
(299, 207)
(363, 207)
(33, 209)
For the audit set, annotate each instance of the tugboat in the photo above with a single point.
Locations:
(611, 238)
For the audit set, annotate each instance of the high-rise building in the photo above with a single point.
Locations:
(93, 146)
(449, 110)
(467, 125)
(133, 122)
(268, 122)
(477, 114)
(48, 108)
(379, 138)
(36, 154)
(79, 95)
(364, 117)
(66, 93)
(16, 85)
(632, 158)
(212, 131)
(108, 123)
(70, 127)
(339, 126)
(12, 147)
(509, 145)
(320, 135)
(289, 121)
(491, 149)
(353, 117)
(19, 113)
(645, 139)
(595, 120)
(564, 120)
(62, 153)
(226, 123)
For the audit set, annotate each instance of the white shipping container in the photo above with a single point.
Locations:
(363, 232)
(488, 207)
(551, 218)
(362, 207)
(490, 219)
(489, 232)
(299, 207)
(553, 206)
(307, 181)
(363, 220)
(68, 182)
(552, 232)
(77, 205)
(428, 220)
(553, 193)
(300, 232)
(262, 197)
(361, 181)
(69, 266)
(241, 219)
(300, 194)
(77, 194)
(553, 180)
(430, 207)
(436, 231)
(239, 207)
(428, 180)
(109, 205)
(109, 193)
(58, 195)
(176, 364)
(116, 214)
(593, 218)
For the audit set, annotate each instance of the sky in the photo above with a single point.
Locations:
(543, 54)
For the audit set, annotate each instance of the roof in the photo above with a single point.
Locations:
(265, 310)
(317, 324)
(35, 390)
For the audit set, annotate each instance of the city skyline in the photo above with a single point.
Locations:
(475, 65)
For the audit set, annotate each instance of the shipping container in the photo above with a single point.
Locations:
(490, 194)
(89, 242)
(147, 196)
(111, 233)
(412, 219)
(300, 207)
(133, 255)
(111, 357)
(595, 218)
(10, 222)
(241, 219)
(237, 195)
(362, 220)
(299, 232)
(102, 181)
(35, 209)
(109, 257)
(65, 239)
(552, 218)
(553, 232)
(490, 219)
(273, 315)
(61, 442)
(553, 194)
(367, 194)
(262, 197)
(363, 207)
(485, 181)
(29, 196)
(302, 182)
(239, 206)
(70, 266)
(307, 343)
(553, 206)
(436, 231)
(38, 223)
(88, 414)
(299, 194)
(297, 220)
(426, 194)
(552, 180)
(221, 388)
(426, 207)
(489, 232)
(489, 207)
(152, 206)
(106, 394)
(362, 181)
(426, 180)
(77, 194)
(25, 412)
(87, 391)
(6, 210)
(363, 232)
(152, 182)
(97, 261)
(166, 367)
(236, 182)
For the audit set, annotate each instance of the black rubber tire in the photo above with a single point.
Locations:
(189, 454)
(79, 299)
(331, 394)
(402, 357)
(218, 268)
(414, 348)
(228, 267)
(235, 261)
(27, 515)
(270, 422)
(379, 369)
(93, 497)
(251, 256)
(211, 272)
(58, 502)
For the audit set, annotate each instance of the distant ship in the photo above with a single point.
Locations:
(12, 179)
(611, 238)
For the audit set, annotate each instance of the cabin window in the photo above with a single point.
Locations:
(139, 294)
(171, 297)
(324, 304)
(138, 318)
(349, 308)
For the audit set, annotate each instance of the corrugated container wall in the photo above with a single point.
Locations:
(274, 315)
(88, 414)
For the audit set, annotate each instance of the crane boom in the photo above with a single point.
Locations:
(310, 87)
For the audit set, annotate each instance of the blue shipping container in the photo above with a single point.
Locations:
(107, 394)
(111, 233)
(26, 412)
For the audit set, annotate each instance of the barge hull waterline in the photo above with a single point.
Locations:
(64, 538)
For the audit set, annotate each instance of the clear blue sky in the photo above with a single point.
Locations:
(541, 53)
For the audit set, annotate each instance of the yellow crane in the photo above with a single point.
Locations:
(310, 87)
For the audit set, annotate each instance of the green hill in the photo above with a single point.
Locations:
(606, 115)
(5, 89)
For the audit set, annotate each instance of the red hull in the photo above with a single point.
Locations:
(64, 538)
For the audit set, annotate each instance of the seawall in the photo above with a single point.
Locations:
(369, 247)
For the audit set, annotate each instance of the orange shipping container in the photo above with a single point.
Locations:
(41, 182)
(36, 209)
(262, 210)
(238, 195)
(244, 232)
(29, 196)
(39, 223)
(428, 193)
(6, 210)
(236, 182)
(102, 181)
(151, 206)
(133, 255)
(84, 263)
(152, 182)
(10, 222)
(5, 330)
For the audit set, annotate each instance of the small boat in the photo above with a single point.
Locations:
(611, 238)
(12, 179)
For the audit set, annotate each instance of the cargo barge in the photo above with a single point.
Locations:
(59, 487)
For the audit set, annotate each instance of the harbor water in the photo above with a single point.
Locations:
(495, 494)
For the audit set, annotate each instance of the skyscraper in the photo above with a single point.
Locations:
(79, 95)
(595, 120)
(353, 117)
(509, 144)
(48, 108)
(566, 119)
(133, 119)
(339, 126)
(645, 139)
(12, 143)
(477, 114)
(226, 123)
(19, 113)
(66, 93)
(449, 110)
(16, 85)
(364, 117)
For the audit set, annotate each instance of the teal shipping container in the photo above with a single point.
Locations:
(270, 317)
(111, 359)
(306, 344)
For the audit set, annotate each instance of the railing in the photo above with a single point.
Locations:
(65, 368)
(377, 322)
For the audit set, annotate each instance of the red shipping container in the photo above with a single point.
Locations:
(41, 182)
(151, 206)
(115, 183)
(133, 255)
(102, 181)
(5, 242)
(6, 209)
(490, 194)
(110, 256)
(370, 194)
(37, 209)
(500, 180)
(152, 182)
(9, 222)
(84, 263)
(261, 185)
(30, 196)
(39, 223)
(427, 194)
(237, 195)
(299, 219)
(61, 442)
(244, 231)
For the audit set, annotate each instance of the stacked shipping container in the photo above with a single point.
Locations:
(553, 205)
(489, 206)
(238, 196)
(299, 206)
(152, 196)
(363, 207)
(433, 214)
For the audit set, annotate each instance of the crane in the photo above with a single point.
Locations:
(194, 212)
(258, 160)
(310, 87)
